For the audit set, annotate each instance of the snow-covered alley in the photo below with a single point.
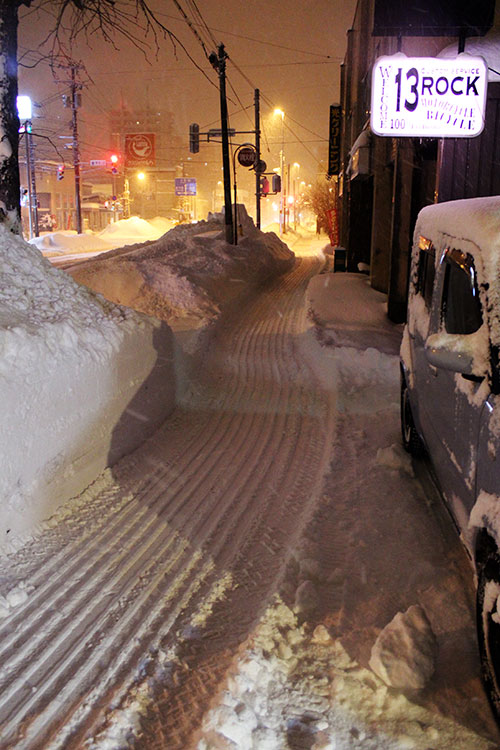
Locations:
(223, 586)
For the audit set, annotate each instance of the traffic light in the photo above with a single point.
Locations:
(60, 171)
(114, 161)
(264, 186)
(276, 183)
(194, 138)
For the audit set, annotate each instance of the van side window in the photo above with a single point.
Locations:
(461, 306)
(426, 270)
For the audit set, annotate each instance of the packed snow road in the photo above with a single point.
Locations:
(213, 502)
(222, 586)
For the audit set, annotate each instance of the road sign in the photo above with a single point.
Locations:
(246, 156)
(98, 162)
(217, 132)
(185, 186)
(428, 97)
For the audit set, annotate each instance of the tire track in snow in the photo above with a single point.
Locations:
(237, 484)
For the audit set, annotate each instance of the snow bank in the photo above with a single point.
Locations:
(82, 382)
(190, 272)
(119, 233)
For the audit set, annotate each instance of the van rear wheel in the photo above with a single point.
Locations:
(488, 626)
(411, 438)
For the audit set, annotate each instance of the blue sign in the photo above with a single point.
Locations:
(185, 186)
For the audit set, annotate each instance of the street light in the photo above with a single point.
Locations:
(296, 166)
(24, 110)
(279, 112)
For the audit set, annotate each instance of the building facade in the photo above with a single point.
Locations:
(386, 181)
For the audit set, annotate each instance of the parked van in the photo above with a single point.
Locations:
(450, 387)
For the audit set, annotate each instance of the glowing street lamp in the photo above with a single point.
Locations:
(25, 112)
(279, 113)
(24, 108)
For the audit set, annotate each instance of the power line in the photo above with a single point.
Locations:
(191, 26)
(269, 44)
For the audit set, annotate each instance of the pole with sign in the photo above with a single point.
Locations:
(247, 157)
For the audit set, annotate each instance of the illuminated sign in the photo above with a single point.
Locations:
(334, 139)
(428, 97)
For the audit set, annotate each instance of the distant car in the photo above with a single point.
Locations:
(450, 387)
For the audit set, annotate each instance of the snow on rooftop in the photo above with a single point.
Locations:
(487, 47)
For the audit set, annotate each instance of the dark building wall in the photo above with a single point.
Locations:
(380, 249)
(470, 167)
(402, 174)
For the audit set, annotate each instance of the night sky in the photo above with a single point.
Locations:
(290, 50)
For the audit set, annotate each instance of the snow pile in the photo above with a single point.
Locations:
(404, 653)
(79, 383)
(68, 241)
(351, 313)
(290, 687)
(135, 229)
(191, 272)
(119, 233)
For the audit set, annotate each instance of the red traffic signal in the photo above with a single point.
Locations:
(114, 161)
(60, 171)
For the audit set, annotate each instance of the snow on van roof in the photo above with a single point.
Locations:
(477, 221)
(473, 219)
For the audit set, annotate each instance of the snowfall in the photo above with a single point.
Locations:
(367, 639)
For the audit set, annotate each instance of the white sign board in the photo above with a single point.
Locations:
(428, 97)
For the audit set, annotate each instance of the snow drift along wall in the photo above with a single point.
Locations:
(82, 382)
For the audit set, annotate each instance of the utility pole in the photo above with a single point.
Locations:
(75, 100)
(218, 61)
(34, 197)
(31, 181)
(257, 159)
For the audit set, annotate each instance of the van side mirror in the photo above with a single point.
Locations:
(455, 352)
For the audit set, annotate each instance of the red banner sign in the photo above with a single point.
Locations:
(140, 150)
(333, 226)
